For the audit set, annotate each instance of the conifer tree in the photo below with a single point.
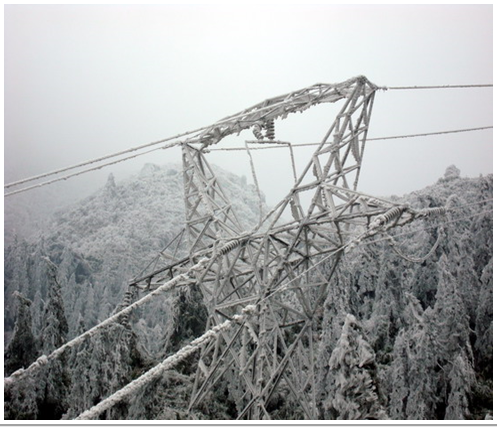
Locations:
(461, 379)
(399, 372)
(484, 323)
(454, 336)
(22, 348)
(16, 278)
(385, 317)
(352, 392)
(101, 365)
(424, 353)
(56, 380)
(336, 306)
(55, 328)
(20, 398)
(452, 317)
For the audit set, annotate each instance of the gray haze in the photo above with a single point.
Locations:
(85, 81)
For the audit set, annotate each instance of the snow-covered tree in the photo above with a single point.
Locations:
(399, 375)
(55, 328)
(189, 318)
(452, 172)
(461, 379)
(335, 308)
(452, 317)
(466, 274)
(352, 392)
(385, 318)
(424, 353)
(482, 225)
(101, 365)
(22, 349)
(484, 323)
(16, 279)
(21, 399)
(54, 377)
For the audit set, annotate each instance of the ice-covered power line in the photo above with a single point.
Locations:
(260, 114)
(109, 156)
(388, 238)
(261, 146)
(437, 87)
(65, 177)
(266, 145)
(416, 135)
(168, 363)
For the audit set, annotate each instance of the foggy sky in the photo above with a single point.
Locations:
(85, 81)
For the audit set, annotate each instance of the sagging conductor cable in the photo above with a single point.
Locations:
(65, 177)
(436, 87)
(267, 146)
(109, 156)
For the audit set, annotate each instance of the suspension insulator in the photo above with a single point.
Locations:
(394, 213)
(257, 132)
(388, 216)
(269, 125)
(434, 211)
(228, 247)
(128, 297)
(127, 300)
(323, 198)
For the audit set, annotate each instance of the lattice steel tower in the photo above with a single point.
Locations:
(273, 265)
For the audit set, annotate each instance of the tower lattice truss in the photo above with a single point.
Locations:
(274, 266)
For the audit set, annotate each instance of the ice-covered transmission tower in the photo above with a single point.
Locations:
(274, 265)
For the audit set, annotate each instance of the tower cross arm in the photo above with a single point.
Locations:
(280, 107)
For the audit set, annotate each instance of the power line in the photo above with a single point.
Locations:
(430, 133)
(471, 204)
(374, 241)
(280, 144)
(180, 280)
(65, 177)
(262, 145)
(436, 87)
(108, 156)
(383, 239)
(140, 147)
(231, 124)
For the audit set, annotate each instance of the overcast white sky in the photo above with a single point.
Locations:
(85, 81)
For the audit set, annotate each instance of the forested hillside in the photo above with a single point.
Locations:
(401, 335)
(101, 242)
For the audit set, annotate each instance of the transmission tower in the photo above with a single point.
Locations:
(263, 288)
(274, 265)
